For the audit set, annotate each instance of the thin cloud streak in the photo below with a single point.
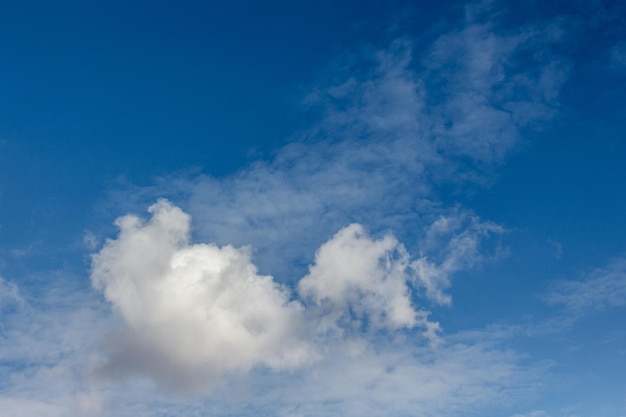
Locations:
(601, 289)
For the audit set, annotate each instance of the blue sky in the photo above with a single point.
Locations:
(313, 209)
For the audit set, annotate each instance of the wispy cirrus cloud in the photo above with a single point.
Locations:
(451, 244)
(395, 124)
(601, 289)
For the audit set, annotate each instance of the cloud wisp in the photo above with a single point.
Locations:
(601, 289)
(455, 242)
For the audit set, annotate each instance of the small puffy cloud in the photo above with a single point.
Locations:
(192, 311)
(354, 274)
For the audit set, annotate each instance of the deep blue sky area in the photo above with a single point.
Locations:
(431, 196)
(92, 91)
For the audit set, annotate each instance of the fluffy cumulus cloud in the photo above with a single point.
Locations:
(355, 274)
(192, 310)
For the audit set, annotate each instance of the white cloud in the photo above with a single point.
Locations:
(192, 310)
(354, 274)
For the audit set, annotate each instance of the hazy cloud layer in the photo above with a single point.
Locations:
(393, 378)
(47, 344)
